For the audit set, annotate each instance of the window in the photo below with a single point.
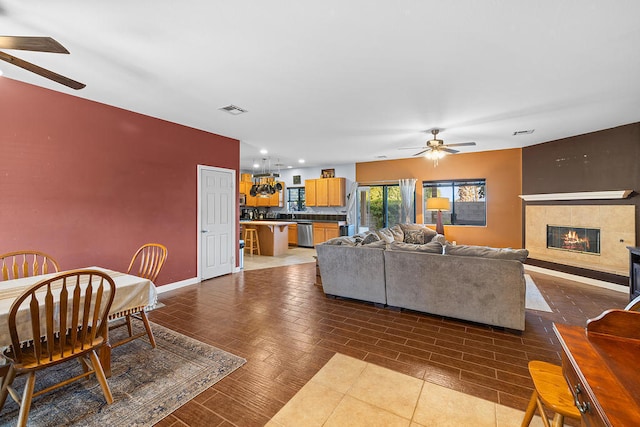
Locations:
(379, 206)
(295, 199)
(467, 199)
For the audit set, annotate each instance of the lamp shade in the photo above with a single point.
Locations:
(438, 204)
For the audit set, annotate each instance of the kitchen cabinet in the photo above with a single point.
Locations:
(325, 191)
(274, 200)
(293, 234)
(323, 231)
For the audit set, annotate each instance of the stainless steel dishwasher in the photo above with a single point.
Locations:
(305, 234)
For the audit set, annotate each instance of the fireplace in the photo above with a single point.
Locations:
(574, 239)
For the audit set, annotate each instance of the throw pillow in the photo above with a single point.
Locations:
(398, 234)
(370, 238)
(440, 239)
(429, 234)
(385, 234)
(414, 236)
(487, 252)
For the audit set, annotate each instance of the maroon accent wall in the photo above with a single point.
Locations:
(90, 183)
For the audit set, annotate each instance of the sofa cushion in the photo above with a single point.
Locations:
(343, 240)
(431, 247)
(487, 252)
(381, 244)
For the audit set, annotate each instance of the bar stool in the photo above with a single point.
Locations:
(251, 241)
(551, 390)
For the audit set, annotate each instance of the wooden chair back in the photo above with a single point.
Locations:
(84, 297)
(26, 264)
(149, 260)
(634, 305)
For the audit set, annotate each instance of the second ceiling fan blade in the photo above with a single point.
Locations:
(35, 44)
(41, 71)
(461, 144)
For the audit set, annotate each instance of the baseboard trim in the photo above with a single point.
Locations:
(177, 285)
(576, 278)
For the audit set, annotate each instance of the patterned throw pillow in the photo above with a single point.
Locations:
(370, 238)
(414, 236)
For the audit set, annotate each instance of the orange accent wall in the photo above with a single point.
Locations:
(90, 183)
(501, 168)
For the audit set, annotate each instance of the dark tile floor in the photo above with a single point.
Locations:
(285, 327)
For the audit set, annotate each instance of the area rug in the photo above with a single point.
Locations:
(147, 384)
(534, 299)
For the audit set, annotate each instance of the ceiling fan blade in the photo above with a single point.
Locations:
(36, 44)
(41, 71)
(461, 144)
(410, 148)
(449, 150)
(422, 152)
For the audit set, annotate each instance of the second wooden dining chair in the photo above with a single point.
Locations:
(147, 263)
(26, 264)
(41, 338)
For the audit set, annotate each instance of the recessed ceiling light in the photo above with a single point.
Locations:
(232, 109)
(301, 161)
(289, 167)
(263, 151)
(523, 132)
(256, 165)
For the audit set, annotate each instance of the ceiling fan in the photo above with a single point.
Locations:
(436, 148)
(36, 44)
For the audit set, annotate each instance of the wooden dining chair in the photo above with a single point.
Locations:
(41, 337)
(147, 263)
(26, 264)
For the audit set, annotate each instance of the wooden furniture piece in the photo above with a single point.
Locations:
(251, 240)
(85, 297)
(146, 263)
(273, 236)
(323, 231)
(550, 390)
(26, 264)
(634, 304)
(634, 272)
(325, 191)
(132, 293)
(293, 234)
(598, 364)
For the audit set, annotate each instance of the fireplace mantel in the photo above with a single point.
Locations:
(584, 195)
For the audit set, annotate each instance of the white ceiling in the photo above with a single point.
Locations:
(344, 81)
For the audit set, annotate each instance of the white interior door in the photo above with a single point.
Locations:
(217, 222)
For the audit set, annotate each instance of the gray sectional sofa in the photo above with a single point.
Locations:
(410, 266)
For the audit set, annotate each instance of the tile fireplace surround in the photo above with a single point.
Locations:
(617, 226)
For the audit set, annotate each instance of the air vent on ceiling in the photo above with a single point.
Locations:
(523, 132)
(232, 109)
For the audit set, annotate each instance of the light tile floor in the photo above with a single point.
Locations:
(351, 392)
(294, 255)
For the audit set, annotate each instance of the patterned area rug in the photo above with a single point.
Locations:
(147, 384)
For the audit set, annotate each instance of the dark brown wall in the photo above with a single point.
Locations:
(604, 160)
(89, 183)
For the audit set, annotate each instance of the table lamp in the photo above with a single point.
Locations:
(438, 204)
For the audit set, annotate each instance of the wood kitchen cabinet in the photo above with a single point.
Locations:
(293, 235)
(323, 231)
(274, 200)
(325, 192)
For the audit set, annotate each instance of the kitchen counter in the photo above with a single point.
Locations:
(273, 235)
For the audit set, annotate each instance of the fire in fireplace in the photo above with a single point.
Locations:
(575, 239)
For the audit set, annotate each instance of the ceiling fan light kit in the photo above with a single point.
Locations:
(436, 149)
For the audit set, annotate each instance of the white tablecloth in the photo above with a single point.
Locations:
(131, 292)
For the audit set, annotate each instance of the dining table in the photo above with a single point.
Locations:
(132, 295)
